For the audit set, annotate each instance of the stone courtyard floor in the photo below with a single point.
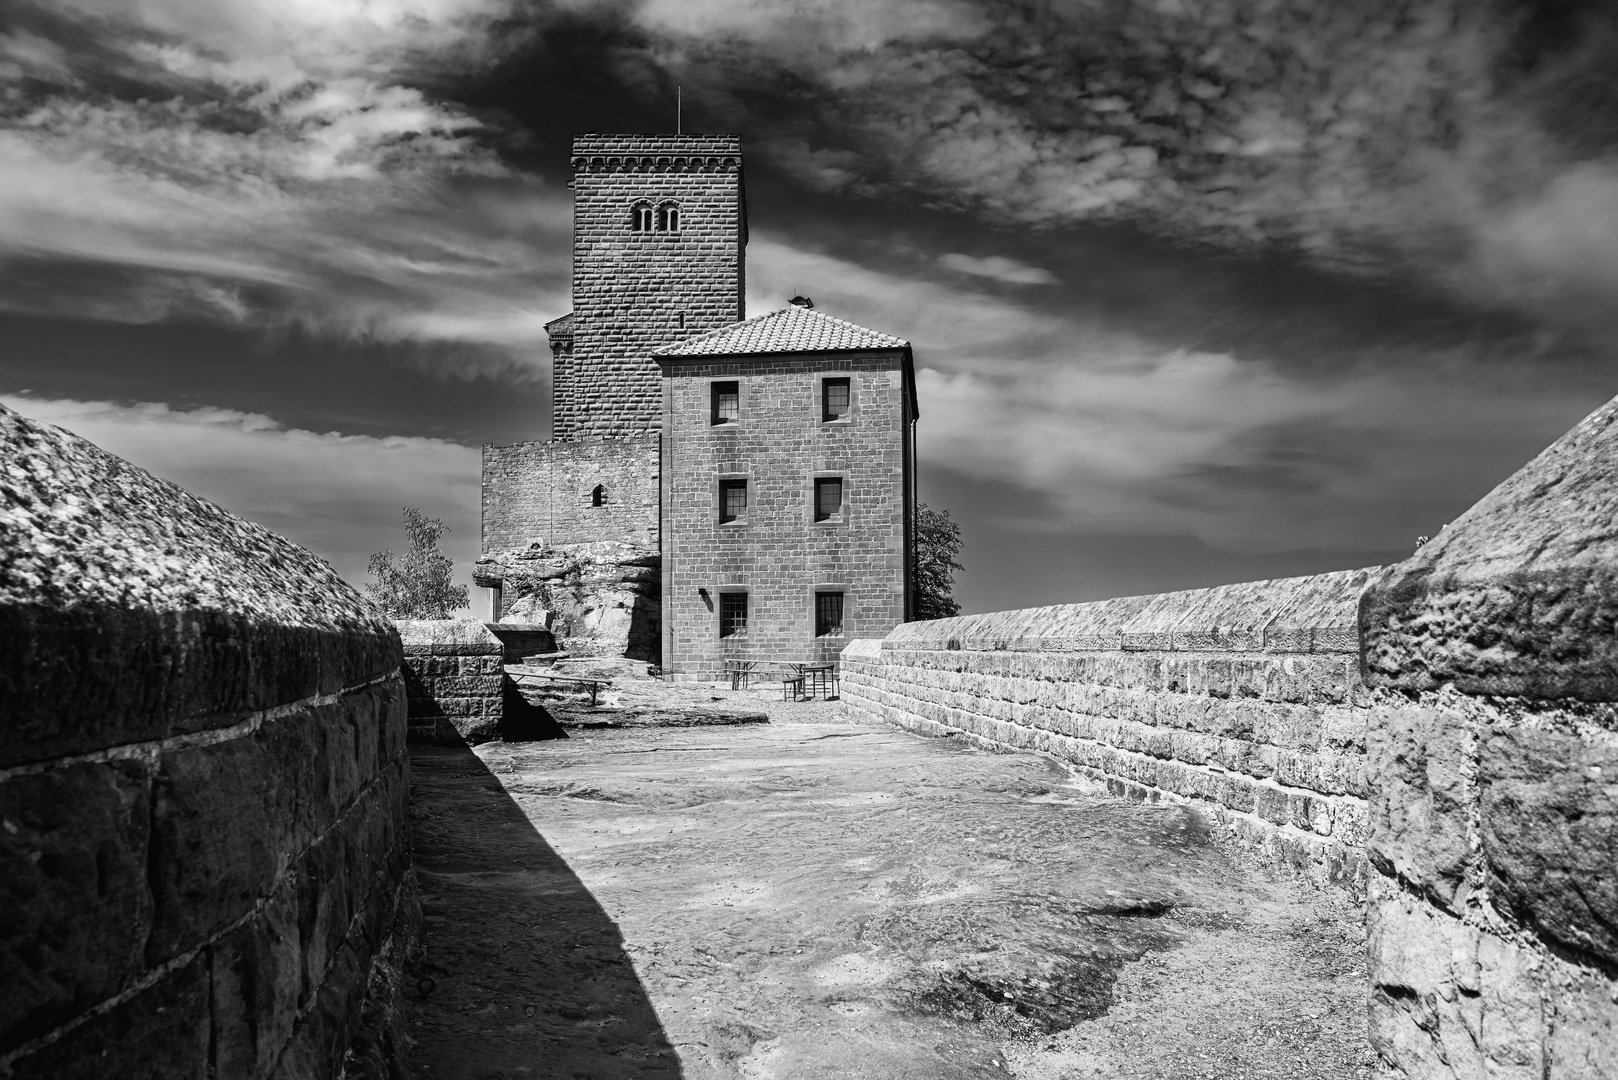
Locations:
(824, 897)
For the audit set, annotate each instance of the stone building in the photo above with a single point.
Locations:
(788, 465)
(761, 471)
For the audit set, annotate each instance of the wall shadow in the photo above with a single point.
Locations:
(521, 971)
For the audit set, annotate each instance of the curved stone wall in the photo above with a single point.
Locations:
(203, 785)
(1451, 746)
(1494, 755)
(1245, 699)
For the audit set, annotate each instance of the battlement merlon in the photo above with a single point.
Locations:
(650, 153)
(605, 153)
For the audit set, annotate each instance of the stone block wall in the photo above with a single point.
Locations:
(541, 493)
(635, 291)
(1493, 747)
(521, 640)
(204, 856)
(1245, 699)
(777, 552)
(454, 674)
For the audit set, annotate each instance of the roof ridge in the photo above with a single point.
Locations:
(864, 336)
(727, 328)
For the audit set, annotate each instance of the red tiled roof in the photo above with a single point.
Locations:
(793, 329)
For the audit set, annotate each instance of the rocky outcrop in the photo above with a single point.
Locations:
(600, 599)
(204, 866)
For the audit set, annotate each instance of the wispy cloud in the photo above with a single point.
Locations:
(997, 267)
(276, 162)
(1244, 457)
(339, 495)
(1113, 430)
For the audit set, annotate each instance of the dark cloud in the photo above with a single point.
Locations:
(1199, 291)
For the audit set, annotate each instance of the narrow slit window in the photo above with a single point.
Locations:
(727, 402)
(732, 614)
(828, 614)
(641, 217)
(598, 497)
(828, 497)
(668, 217)
(833, 399)
(732, 500)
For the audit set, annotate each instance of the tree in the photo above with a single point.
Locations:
(416, 585)
(938, 545)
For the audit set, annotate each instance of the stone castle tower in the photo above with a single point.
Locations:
(659, 250)
(715, 487)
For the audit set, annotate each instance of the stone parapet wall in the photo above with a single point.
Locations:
(1245, 699)
(1494, 761)
(454, 673)
(522, 640)
(541, 493)
(203, 782)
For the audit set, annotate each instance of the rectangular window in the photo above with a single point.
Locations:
(828, 497)
(732, 500)
(828, 614)
(733, 614)
(833, 399)
(727, 402)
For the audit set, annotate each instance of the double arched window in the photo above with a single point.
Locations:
(666, 218)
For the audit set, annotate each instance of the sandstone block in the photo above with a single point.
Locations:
(223, 824)
(74, 907)
(1549, 819)
(159, 1034)
(1424, 789)
(256, 972)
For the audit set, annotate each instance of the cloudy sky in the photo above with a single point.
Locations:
(1200, 290)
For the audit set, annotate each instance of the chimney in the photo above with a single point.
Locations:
(803, 302)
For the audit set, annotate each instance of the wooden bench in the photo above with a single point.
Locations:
(799, 678)
(594, 684)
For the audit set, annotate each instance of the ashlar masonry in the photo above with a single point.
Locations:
(770, 462)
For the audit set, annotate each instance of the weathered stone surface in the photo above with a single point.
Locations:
(447, 637)
(599, 598)
(1245, 698)
(1316, 614)
(1549, 820)
(222, 820)
(255, 981)
(185, 615)
(522, 640)
(74, 906)
(131, 613)
(816, 897)
(1424, 762)
(453, 678)
(543, 493)
(1519, 595)
(161, 1033)
(1453, 1000)
(609, 385)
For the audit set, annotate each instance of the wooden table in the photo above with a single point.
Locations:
(800, 678)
